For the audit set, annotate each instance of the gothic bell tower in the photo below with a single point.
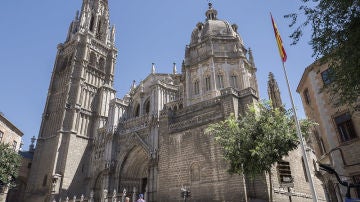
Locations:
(80, 90)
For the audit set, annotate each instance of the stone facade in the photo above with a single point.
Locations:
(9, 134)
(152, 140)
(336, 138)
(77, 105)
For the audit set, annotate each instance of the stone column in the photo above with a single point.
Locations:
(134, 194)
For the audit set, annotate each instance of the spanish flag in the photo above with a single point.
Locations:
(279, 41)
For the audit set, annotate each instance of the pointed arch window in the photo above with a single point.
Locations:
(234, 81)
(147, 106)
(92, 23)
(207, 83)
(195, 172)
(99, 32)
(220, 81)
(137, 110)
(196, 87)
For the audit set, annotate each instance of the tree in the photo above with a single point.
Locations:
(9, 165)
(336, 40)
(257, 140)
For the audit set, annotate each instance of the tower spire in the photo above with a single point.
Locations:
(274, 92)
(251, 58)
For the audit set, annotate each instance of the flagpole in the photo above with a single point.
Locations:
(298, 131)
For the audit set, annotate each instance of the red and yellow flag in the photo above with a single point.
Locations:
(279, 41)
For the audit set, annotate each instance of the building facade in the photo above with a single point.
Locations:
(152, 140)
(16, 194)
(9, 134)
(336, 139)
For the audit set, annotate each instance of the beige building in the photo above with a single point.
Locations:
(336, 139)
(16, 194)
(151, 141)
(9, 134)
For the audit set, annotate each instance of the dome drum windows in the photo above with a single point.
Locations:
(234, 81)
(196, 88)
(220, 81)
(207, 83)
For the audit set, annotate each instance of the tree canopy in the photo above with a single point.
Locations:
(335, 40)
(254, 142)
(9, 165)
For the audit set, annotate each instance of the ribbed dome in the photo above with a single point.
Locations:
(214, 28)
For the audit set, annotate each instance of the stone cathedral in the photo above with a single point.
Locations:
(151, 141)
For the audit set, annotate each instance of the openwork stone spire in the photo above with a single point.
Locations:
(274, 92)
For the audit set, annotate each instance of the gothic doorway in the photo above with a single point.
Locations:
(134, 172)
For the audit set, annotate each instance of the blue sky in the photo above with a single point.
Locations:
(147, 32)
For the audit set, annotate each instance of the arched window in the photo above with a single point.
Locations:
(207, 83)
(220, 81)
(234, 81)
(195, 172)
(137, 110)
(147, 106)
(196, 87)
(99, 32)
(92, 23)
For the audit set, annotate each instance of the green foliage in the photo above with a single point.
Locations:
(255, 141)
(336, 39)
(9, 165)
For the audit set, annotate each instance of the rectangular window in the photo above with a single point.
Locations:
(345, 127)
(14, 145)
(1, 135)
(207, 84)
(220, 81)
(284, 172)
(233, 81)
(326, 76)
(307, 96)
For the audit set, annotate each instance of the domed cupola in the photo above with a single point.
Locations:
(216, 58)
(213, 28)
(211, 13)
